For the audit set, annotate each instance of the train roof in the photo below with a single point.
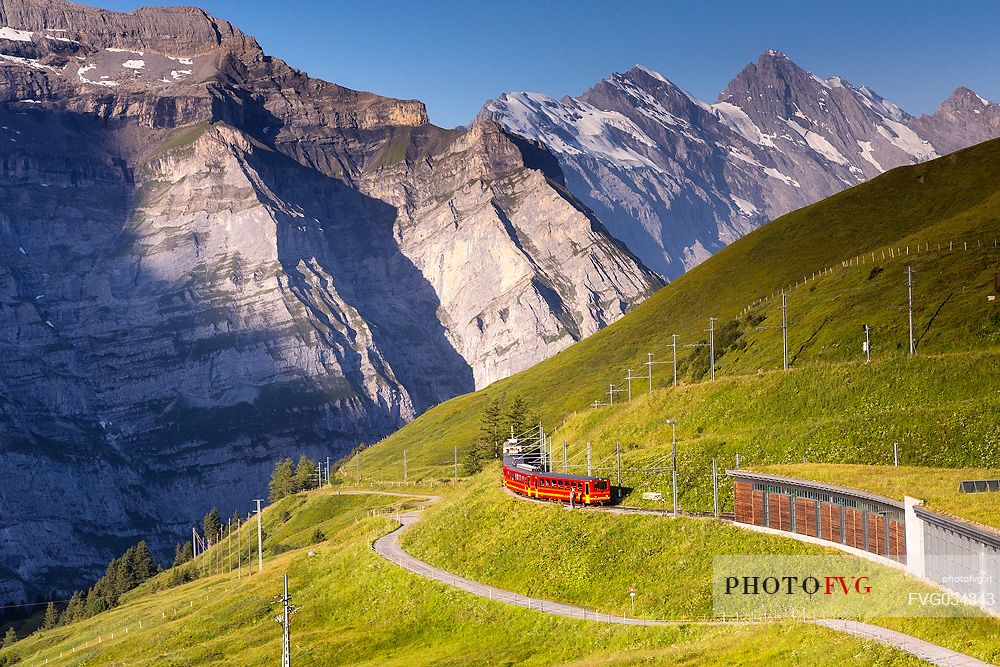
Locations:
(512, 462)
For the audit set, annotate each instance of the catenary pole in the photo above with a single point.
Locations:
(673, 465)
(711, 343)
(618, 456)
(784, 330)
(260, 538)
(715, 488)
(673, 346)
(909, 289)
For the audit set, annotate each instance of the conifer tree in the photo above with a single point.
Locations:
(183, 553)
(51, 617)
(211, 525)
(143, 566)
(75, 610)
(491, 431)
(282, 480)
(9, 637)
(305, 474)
(516, 417)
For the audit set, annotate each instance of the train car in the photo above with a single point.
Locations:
(528, 480)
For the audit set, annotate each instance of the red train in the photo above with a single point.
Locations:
(529, 480)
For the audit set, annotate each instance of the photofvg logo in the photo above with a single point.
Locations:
(832, 586)
(790, 585)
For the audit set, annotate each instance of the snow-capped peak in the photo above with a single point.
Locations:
(656, 75)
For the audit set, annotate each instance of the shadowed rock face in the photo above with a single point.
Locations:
(677, 179)
(210, 260)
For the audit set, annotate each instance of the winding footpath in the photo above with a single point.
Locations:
(388, 548)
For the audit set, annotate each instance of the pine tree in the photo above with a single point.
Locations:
(9, 637)
(491, 431)
(516, 417)
(183, 554)
(51, 617)
(211, 525)
(282, 480)
(143, 566)
(75, 609)
(234, 521)
(97, 601)
(305, 474)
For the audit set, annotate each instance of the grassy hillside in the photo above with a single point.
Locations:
(949, 209)
(358, 609)
(591, 559)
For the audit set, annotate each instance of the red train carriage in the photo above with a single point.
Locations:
(529, 481)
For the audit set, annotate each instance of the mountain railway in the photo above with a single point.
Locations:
(528, 479)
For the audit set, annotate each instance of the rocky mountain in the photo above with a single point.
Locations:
(209, 259)
(677, 179)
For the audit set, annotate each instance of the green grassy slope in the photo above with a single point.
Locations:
(940, 410)
(952, 204)
(361, 610)
(591, 559)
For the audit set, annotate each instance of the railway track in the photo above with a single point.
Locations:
(388, 547)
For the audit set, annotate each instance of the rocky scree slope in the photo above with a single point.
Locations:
(677, 179)
(210, 259)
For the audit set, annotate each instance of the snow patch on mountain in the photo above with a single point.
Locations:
(818, 143)
(866, 154)
(737, 120)
(574, 127)
(15, 35)
(906, 140)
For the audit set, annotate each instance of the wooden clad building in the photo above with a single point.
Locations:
(833, 513)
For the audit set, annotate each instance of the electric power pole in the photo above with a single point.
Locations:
(711, 344)
(673, 346)
(565, 467)
(784, 331)
(909, 289)
(618, 456)
(287, 609)
(260, 538)
(673, 465)
(628, 380)
(715, 489)
(588, 458)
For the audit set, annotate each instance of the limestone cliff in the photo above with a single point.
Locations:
(209, 260)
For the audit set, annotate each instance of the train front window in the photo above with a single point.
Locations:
(601, 486)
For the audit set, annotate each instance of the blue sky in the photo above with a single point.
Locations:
(455, 55)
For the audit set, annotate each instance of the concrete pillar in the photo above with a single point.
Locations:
(914, 529)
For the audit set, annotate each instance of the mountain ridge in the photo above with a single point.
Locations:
(677, 179)
(211, 260)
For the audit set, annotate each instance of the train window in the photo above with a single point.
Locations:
(601, 486)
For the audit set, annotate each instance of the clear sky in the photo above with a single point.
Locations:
(455, 55)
